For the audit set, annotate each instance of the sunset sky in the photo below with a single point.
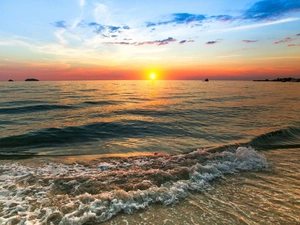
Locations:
(131, 39)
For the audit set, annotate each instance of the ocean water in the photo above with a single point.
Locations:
(149, 152)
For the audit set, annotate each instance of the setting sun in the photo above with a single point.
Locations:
(152, 76)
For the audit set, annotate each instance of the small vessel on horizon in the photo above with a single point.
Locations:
(206, 80)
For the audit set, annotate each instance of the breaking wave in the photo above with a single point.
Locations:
(95, 192)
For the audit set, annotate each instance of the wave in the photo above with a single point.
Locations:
(101, 102)
(94, 193)
(283, 138)
(86, 133)
(280, 139)
(33, 108)
(147, 112)
(20, 102)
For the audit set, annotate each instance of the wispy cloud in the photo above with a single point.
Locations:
(100, 12)
(293, 45)
(252, 26)
(59, 35)
(104, 30)
(179, 18)
(249, 41)
(81, 2)
(156, 42)
(287, 39)
(223, 18)
(60, 24)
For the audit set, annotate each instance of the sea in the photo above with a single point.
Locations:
(149, 152)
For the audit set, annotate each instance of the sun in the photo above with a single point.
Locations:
(153, 76)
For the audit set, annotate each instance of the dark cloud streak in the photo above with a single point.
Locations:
(60, 24)
(287, 39)
(293, 45)
(185, 41)
(250, 41)
(157, 42)
(213, 42)
(179, 18)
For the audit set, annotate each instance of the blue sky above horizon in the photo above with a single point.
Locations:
(114, 39)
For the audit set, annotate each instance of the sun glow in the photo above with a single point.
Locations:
(153, 76)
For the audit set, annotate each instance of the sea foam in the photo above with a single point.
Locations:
(76, 194)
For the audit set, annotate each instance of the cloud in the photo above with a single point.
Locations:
(100, 12)
(287, 39)
(185, 41)
(270, 9)
(292, 45)
(223, 18)
(81, 2)
(185, 18)
(59, 35)
(268, 23)
(179, 18)
(107, 30)
(157, 42)
(250, 41)
(298, 34)
(60, 24)
(213, 42)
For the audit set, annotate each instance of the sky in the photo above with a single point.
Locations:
(131, 39)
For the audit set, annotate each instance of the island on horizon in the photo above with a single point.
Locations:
(285, 79)
(31, 79)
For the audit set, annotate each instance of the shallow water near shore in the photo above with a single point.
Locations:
(266, 197)
(137, 152)
(233, 187)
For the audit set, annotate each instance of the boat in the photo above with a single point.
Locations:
(206, 80)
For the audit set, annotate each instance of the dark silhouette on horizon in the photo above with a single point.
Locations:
(31, 79)
(285, 79)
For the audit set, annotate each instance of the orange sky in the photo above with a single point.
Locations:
(90, 40)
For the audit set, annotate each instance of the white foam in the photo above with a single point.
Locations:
(29, 203)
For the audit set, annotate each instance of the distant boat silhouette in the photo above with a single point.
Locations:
(10, 80)
(31, 79)
(206, 80)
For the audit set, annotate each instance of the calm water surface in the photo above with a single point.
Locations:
(100, 117)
